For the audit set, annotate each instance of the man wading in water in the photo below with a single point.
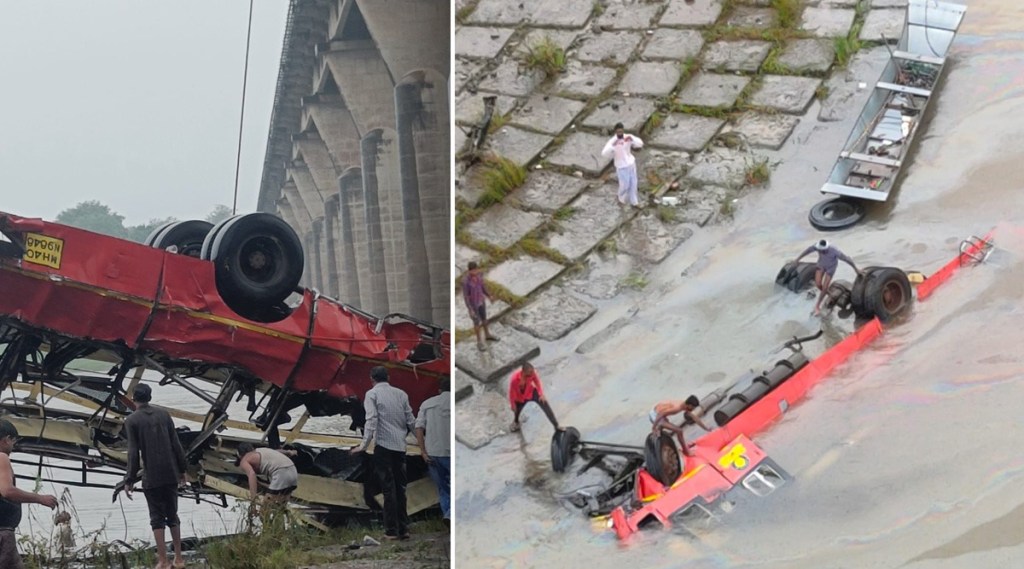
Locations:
(828, 262)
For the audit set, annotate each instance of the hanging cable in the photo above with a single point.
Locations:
(241, 119)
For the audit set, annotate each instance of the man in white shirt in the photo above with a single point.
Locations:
(621, 148)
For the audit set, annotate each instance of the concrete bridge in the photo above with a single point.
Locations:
(358, 157)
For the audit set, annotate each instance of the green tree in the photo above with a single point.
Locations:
(94, 216)
(219, 213)
(138, 233)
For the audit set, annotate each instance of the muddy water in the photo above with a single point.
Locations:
(907, 456)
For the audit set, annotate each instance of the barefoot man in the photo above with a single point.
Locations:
(662, 411)
(828, 262)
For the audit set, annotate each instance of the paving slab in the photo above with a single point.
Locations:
(743, 55)
(567, 13)
(650, 239)
(785, 94)
(677, 45)
(561, 38)
(632, 16)
(655, 78)
(511, 78)
(839, 3)
(594, 342)
(664, 164)
(583, 80)
(547, 113)
(459, 139)
(500, 358)
(503, 226)
(686, 132)
(464, 255)
(844, 86)
(518, 145)
(468, 187)
(481, 418)
(466, 73)
(765, 130)
(827, 22)
(882, 25)
(523, 275)
(720, 167)
(888, 3)
(712, 90)
(552, 315)
(483, 43)
(596, 215)
(699, 13)
(751, 17)
(808, 55)
(469, 107)
(632, 112)
(603, 276)
(495, 310)
(614, 47)
(582, 151)
(464, 386)
(547, 191)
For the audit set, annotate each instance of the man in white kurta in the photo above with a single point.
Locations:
(620, 147)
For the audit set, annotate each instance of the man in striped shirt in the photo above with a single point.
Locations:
(389, 420)
(476, 295)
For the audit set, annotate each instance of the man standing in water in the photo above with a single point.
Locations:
(524, 387)
(620, 147)
(151, 434)
(828, 262)
(11, 499)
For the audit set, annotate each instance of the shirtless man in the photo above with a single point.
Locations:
(662, 411)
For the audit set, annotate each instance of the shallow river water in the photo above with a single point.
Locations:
(907, 456)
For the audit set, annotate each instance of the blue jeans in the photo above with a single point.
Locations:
(441, 474)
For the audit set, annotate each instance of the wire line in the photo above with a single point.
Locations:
(241, 119)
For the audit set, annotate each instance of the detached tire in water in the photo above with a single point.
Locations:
(258, 261)
(661, 458)
(883, 292)
(563, 445)
(186, 236)
(836, 213)
(796, 276)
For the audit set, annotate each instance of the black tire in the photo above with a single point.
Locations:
(887, 294)
(661, 458)
(204, 253)
(258, 260)
(187, 236)
(787, 272)
(156, 232)
(804, 277)
(857, 292)
(563, 448)
(836, 213)
(796, 276)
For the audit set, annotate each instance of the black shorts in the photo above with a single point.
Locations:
(163, 506)
(281, 491)
(535, 399)
(479, 314)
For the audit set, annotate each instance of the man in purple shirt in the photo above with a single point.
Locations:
(474, 293)
(828, 262)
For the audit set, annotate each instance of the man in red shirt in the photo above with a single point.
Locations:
(524, 387)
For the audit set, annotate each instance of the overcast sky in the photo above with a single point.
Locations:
(135, 104)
